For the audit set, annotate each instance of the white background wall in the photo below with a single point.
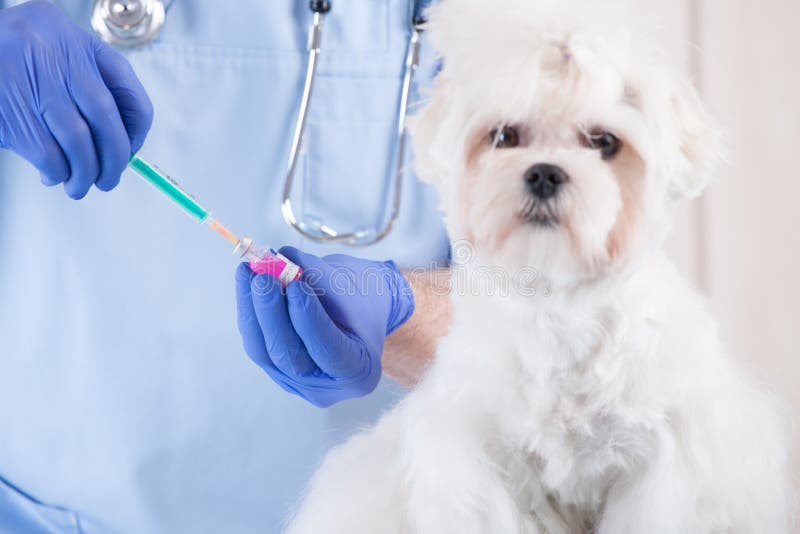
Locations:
(739, 243)
(750, 72)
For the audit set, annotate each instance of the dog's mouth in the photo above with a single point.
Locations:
(539, 213)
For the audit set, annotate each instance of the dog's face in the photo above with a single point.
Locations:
(552, 146)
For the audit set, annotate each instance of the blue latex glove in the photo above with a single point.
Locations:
(322, 338)
(69, 103)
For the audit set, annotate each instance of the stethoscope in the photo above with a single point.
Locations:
(130, 23)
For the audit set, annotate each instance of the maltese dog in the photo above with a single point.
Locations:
(590, 392)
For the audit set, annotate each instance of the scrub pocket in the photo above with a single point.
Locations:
(348, 166)
(350, 144)
(19, 512)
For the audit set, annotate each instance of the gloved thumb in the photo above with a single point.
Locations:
(316, 271)
(337, 353)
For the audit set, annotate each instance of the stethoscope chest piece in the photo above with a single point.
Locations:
(128, 23)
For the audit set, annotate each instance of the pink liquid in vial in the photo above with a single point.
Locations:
(278, 266)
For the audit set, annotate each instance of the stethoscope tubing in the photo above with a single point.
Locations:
(136, 23)
(321, 231)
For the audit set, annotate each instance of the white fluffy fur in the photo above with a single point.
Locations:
(604, 404)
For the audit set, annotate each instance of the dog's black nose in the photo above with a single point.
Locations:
(544, 180)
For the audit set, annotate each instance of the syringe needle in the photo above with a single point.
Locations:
(221, 230)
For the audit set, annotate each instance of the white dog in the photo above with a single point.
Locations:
(595, 398)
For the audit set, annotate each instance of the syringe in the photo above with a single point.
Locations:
(262, 260)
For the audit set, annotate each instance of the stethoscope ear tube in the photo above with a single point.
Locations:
(419, 7)
(320, 6)
(316, 229)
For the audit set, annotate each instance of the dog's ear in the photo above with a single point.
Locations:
(437, 149)
(696, 141)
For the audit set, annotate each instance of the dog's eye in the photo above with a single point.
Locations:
(506, 137)
(607, 143)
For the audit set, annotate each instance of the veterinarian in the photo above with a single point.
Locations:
(125, 402)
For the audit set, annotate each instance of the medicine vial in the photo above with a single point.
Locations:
(267, 261)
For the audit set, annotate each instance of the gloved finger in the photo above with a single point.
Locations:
(250, 330)
(247, 322)
(284, 346)
(46, 155)
(135, 107)
(75, 138)
(111, 141)
(336, 353)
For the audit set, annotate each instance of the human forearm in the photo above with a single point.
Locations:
(409, 350)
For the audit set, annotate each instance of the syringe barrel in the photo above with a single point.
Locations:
(265, 261)
(161, 181)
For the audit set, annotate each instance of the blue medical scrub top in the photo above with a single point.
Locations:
(126, 401)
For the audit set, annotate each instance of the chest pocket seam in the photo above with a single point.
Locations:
(56, 518)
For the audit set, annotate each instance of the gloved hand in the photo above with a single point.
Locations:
(322, 338)
(69, 103)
